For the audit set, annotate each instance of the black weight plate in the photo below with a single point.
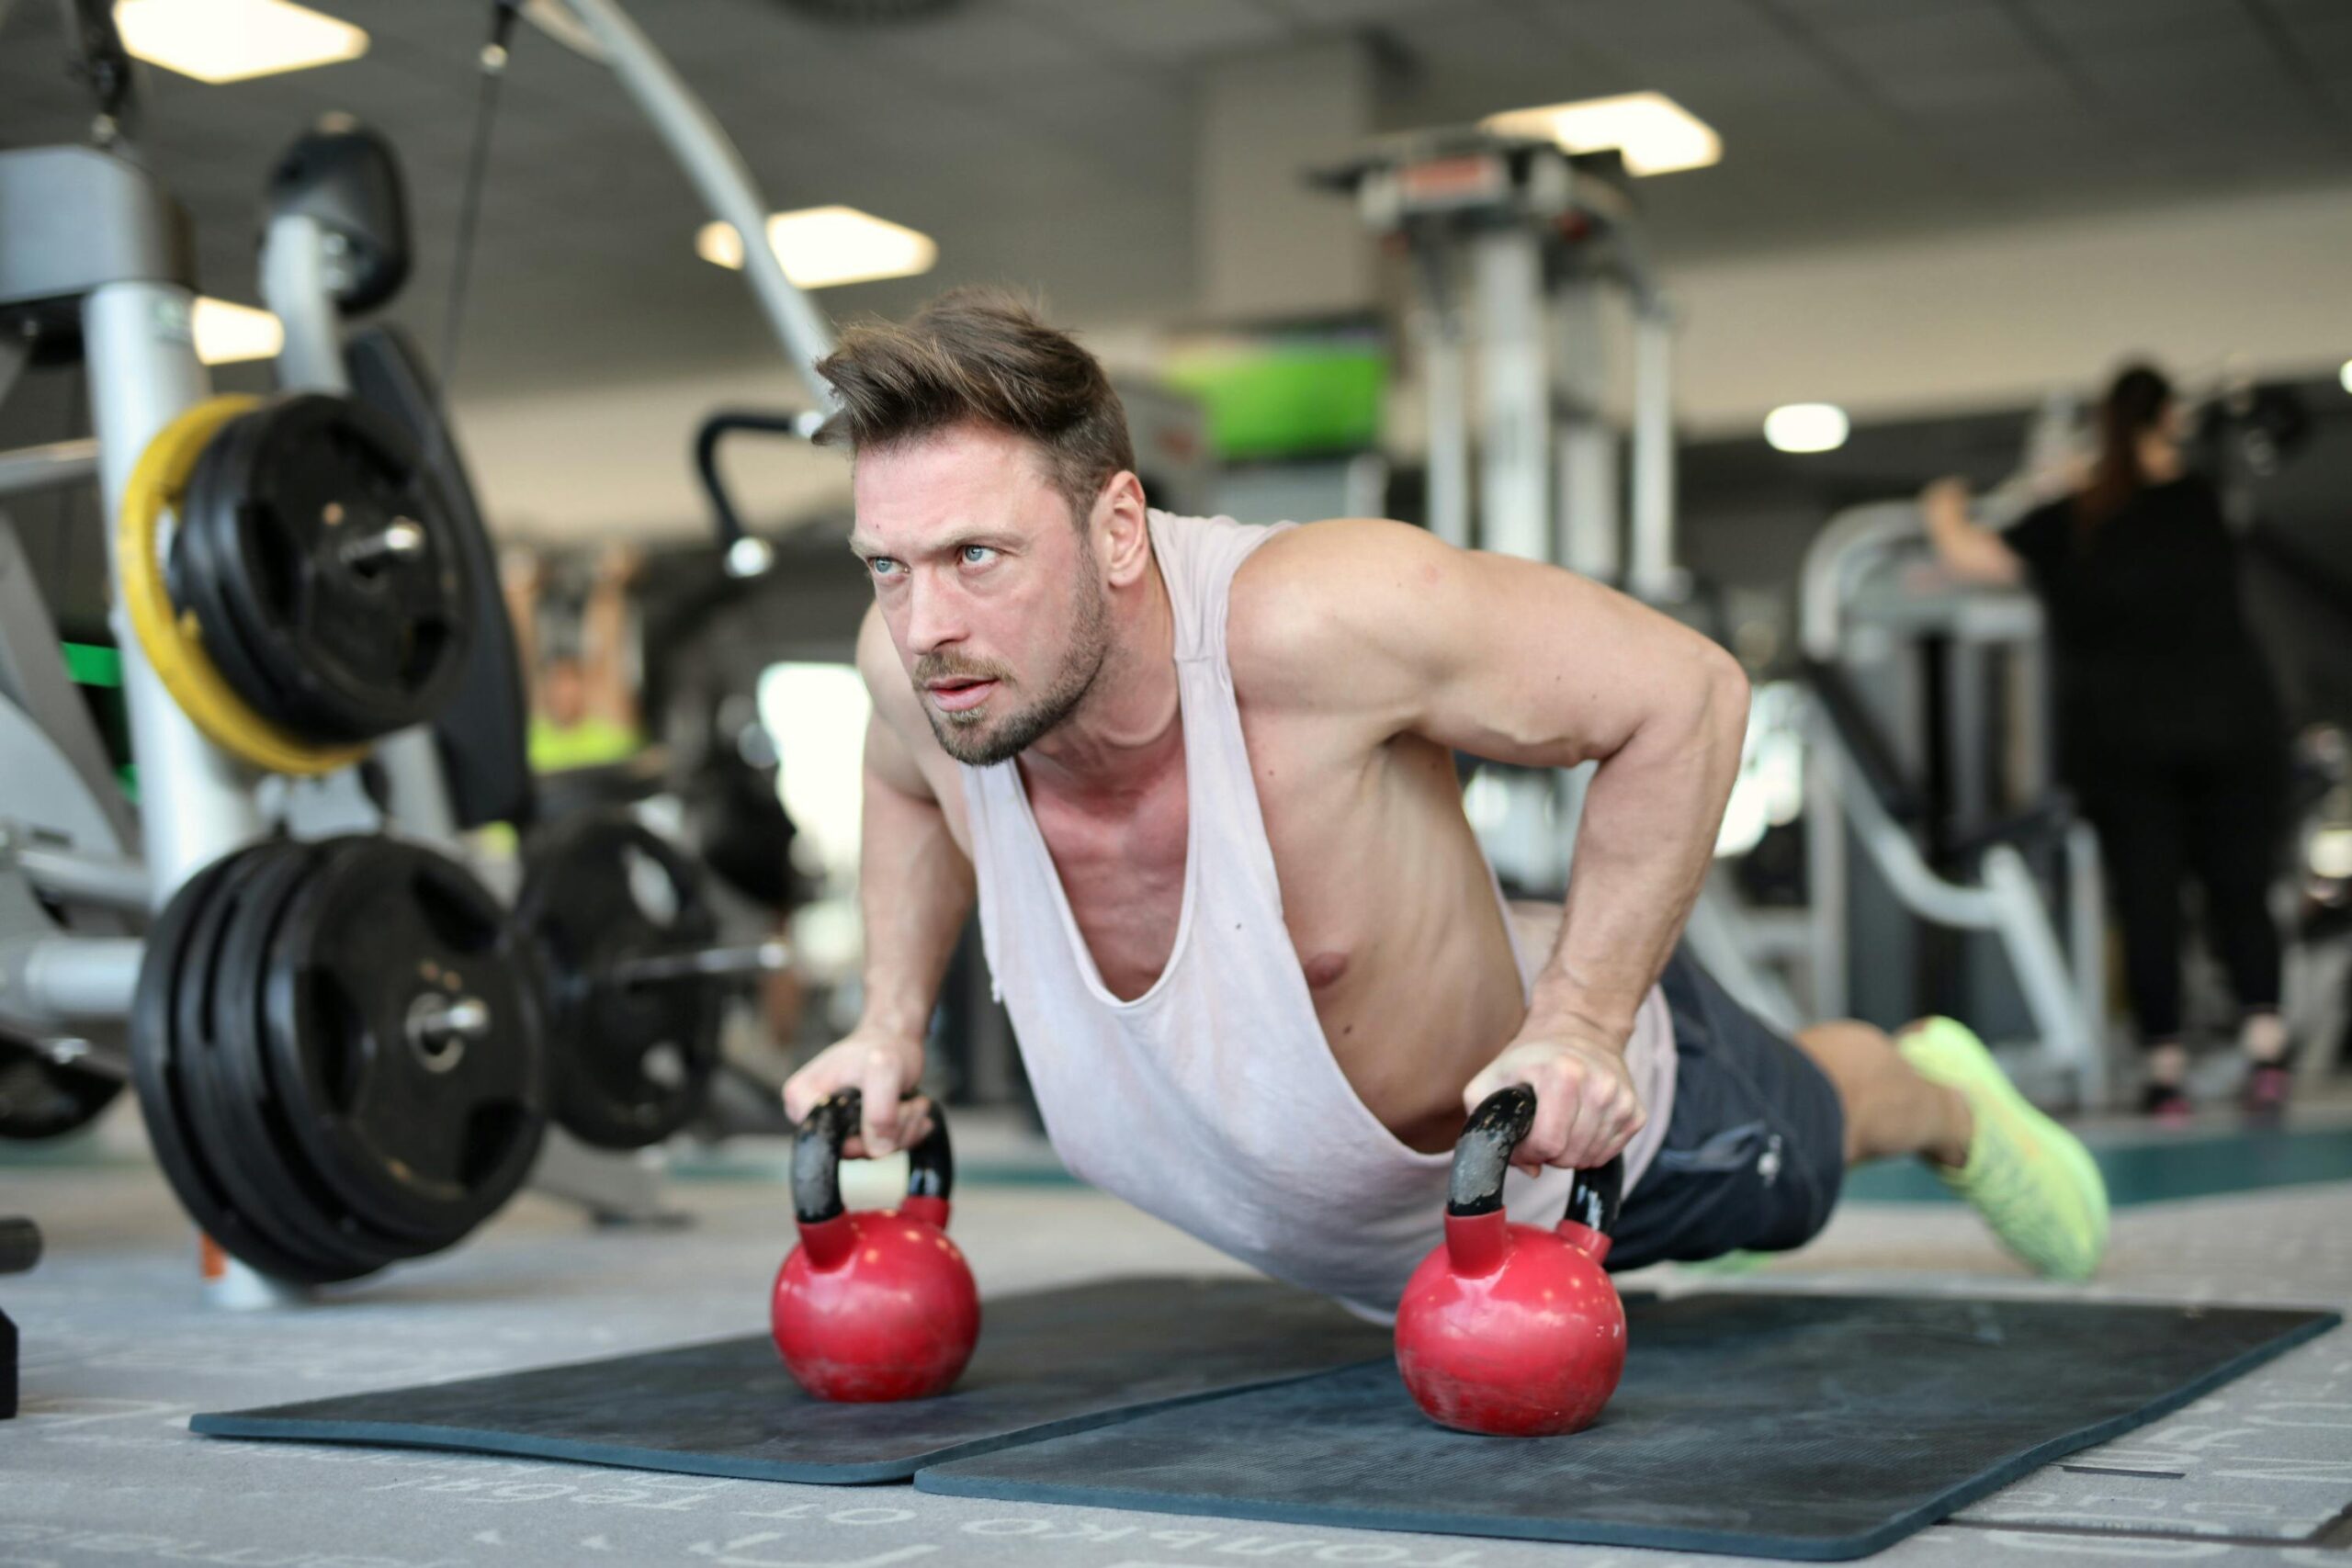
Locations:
(360, 649)
(421, 1145)
(483, 726)
(229, 1110)
(38, 1099)
(605, 1042)
(158, 1072)
(207, 516)
(288, 1194)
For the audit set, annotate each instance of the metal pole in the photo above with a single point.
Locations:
(1515, 398)
(716, 170)
(701, 965)
(1449, 425)
(50, 467)
(72, 877)
(64, 977)
(143, 371)
(1654, 576)
(1590, 521)
(2067, 1039)
(2086, 944)
(1825, 840)
(294, 286)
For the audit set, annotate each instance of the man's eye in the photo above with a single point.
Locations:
(979, 555)
(882, 565)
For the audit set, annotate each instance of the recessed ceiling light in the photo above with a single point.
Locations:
(1654, 134)
(1806, 427)
(2343, 376)
(226, 334)
(823, 246)
(229, 40)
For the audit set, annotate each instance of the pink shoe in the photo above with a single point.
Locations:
(2264, 1096)
(2166, 1105)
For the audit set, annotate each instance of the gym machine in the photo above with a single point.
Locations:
(1516, 248)
(347, 1047)
(1926, 753)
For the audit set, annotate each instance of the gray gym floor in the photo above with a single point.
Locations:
(120, 1348)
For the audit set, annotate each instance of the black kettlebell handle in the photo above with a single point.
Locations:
(817, 1158)
(1482, 1157)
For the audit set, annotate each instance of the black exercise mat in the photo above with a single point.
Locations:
(1771, 1425)
(1053, 1363)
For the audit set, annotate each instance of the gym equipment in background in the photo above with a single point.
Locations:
(621, 931)
(1975, 889)
(337, 1055)
(1520, 249)
(330, 1103)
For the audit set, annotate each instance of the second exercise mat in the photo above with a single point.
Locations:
(1053, 1362)
(1768, 1426)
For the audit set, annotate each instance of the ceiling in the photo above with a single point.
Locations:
(1049, 141)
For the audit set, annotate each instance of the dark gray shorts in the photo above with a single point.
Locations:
(1755, 1149)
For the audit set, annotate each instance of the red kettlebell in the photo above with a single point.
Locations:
(877, 1305)
(1508, 1329)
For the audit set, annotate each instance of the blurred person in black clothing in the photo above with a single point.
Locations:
(2171, 734)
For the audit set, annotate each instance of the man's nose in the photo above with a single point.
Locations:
(934, 617)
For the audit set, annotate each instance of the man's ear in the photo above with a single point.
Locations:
(1121, 531)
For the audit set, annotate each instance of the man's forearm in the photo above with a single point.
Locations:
(1643, 848)
(915, 889)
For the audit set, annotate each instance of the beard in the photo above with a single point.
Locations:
(980, 738)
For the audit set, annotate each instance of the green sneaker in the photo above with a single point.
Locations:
(2032, 1179)
(1730, 1265)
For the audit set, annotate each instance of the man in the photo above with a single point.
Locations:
(1200, 778)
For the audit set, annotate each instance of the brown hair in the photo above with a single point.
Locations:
(984, 355)
(2135, 403)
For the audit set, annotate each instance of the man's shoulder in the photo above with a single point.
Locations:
(1310, 600)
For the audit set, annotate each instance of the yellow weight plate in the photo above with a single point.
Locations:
(170, 639)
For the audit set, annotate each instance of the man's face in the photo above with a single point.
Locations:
(563, 692)
(990, 591)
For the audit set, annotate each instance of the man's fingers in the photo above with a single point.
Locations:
(1605, 1134)
(1580, 1115)
(1482, 1087)
(1547, 1135)
(805, 1088)
(1584, 1115)
(879, 1089)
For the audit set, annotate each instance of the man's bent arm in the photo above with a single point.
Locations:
(1526, 663)
(1651, 815)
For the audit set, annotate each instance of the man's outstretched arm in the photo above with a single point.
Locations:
(915, 889)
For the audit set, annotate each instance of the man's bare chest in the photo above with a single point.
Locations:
(1340, 841)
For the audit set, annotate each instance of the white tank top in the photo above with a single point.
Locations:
(1213, 1101)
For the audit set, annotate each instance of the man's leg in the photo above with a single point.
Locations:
(1752, 1151)
(1928, 1092)
(1890, 1109)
